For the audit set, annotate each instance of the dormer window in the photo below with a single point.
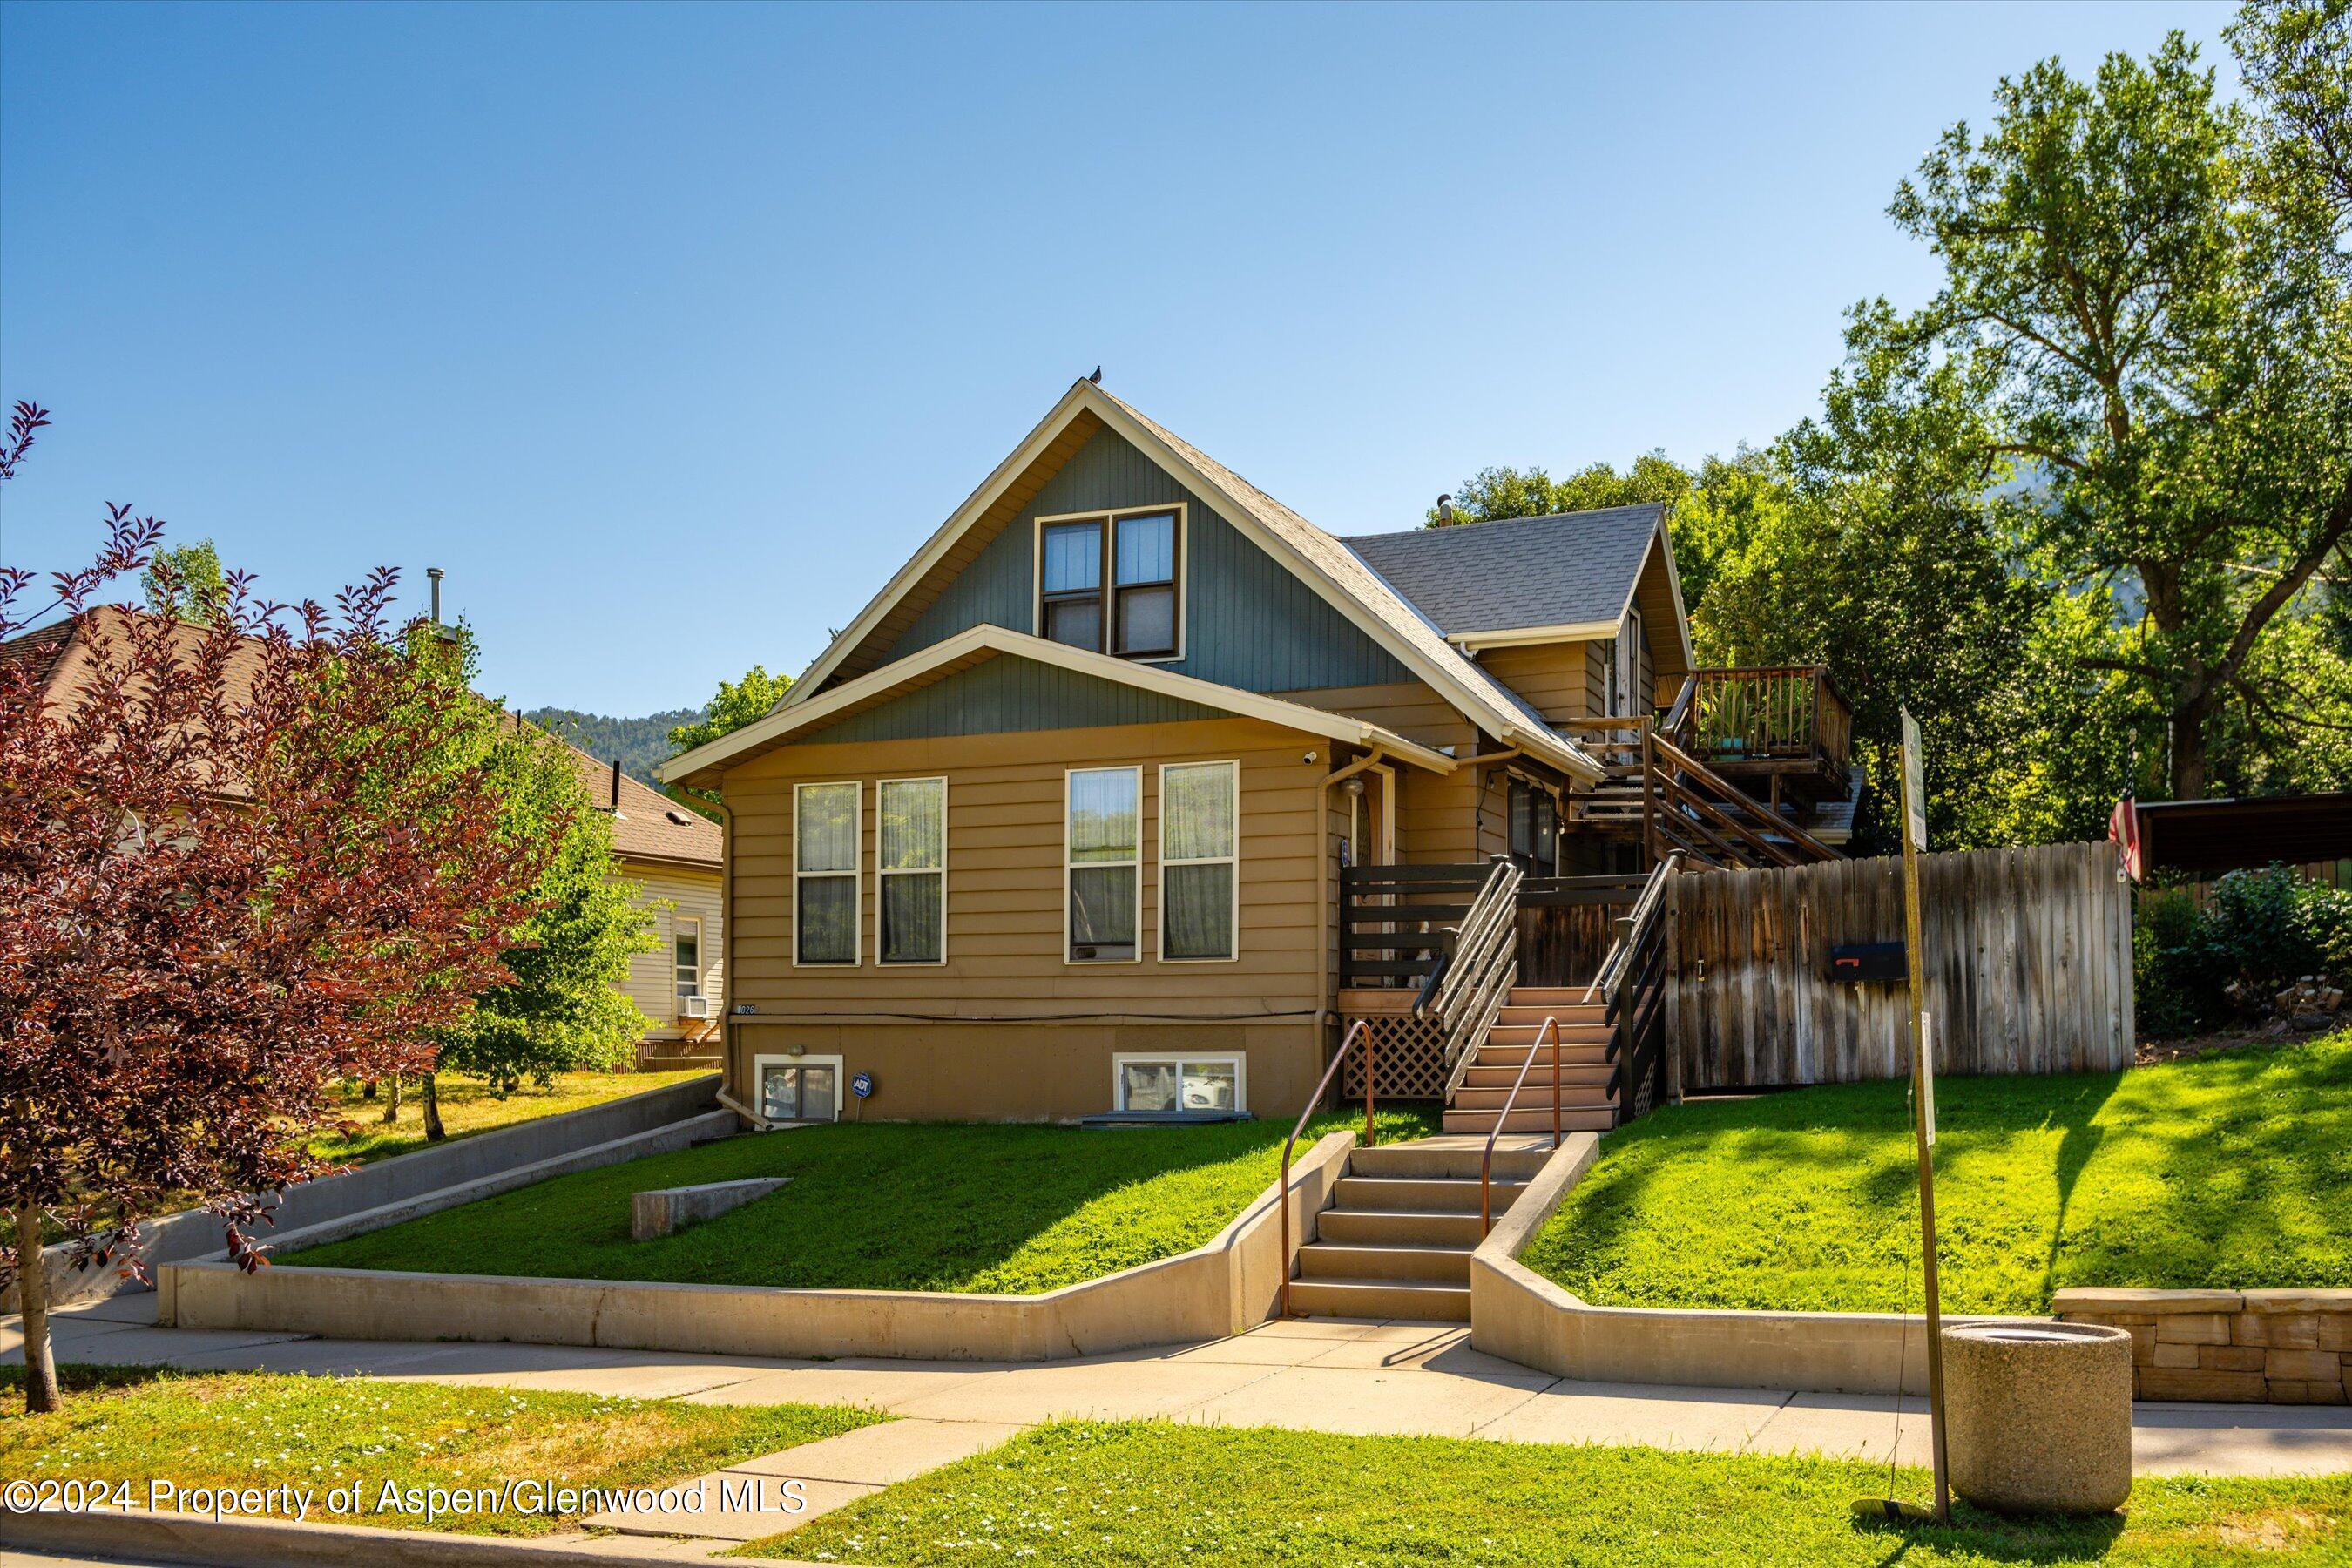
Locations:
(1107, 581)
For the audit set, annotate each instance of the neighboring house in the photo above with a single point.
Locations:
(1081, 813)
(674, 856)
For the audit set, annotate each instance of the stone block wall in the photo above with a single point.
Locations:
(2249, 1347)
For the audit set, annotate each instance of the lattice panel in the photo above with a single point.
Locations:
(1411, 1055)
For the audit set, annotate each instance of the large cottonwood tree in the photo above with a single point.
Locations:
(2141, 322)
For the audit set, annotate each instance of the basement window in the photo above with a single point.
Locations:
(1108, 582)
(1194, 1085)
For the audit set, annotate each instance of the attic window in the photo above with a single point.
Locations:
(1108, 582)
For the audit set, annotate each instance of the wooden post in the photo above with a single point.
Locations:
(1649, 806)
(1923, 1095)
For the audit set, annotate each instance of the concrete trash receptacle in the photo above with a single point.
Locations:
(2038, 1416)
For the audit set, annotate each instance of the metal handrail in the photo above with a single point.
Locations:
(1486, 1160)
(1630, 926)
(1371, 1138)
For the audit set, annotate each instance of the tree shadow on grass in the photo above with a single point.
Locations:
(82, 1377)
(1981, 1534)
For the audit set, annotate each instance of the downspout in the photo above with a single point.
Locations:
(727, 960)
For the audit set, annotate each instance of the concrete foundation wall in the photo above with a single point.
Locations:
(180, 1237)
(1521, 1316)
(1216, 1289)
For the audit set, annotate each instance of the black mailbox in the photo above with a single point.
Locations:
(1859, 961)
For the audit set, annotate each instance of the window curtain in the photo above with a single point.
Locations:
(1200, 812)
(824, 846)
(910, 850)
(1103, 840)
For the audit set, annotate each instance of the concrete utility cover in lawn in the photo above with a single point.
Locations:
(667, 1209)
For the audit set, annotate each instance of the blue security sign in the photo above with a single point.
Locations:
(862, 1085)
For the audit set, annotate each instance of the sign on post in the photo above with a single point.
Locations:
(1923, 1092)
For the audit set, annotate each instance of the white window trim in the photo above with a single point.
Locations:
(1233, 859)
(1109, 518)
(1237, 1060)
(942, 872)
(854, 874)
(785, 1058)
(1137, 863)
(677, 923)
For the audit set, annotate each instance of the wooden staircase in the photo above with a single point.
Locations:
(1587, 1102)
(1405, 1219)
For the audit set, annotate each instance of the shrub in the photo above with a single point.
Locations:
(2262, 931)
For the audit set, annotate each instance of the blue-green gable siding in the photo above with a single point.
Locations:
(1250, 623)
(1004, 694)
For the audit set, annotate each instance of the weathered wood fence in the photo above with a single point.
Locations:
(2027, 953)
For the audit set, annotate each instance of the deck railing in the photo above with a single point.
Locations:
(1783, 713)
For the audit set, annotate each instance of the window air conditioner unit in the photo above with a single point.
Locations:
(694, 1007)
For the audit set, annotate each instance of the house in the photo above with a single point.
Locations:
(1132, 789)
(671, 853)
(674, 856)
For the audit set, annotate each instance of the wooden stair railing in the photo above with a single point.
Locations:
(1631, 984)
(1487, 1161)
(1715, 818)
(1359, 1029)
(1476, 971)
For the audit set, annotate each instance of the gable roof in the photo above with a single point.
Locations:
(1314, 557)
(649, 825)
(979, 643)
(1568, 569)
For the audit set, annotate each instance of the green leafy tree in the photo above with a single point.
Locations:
(185, 582)
(2142, 328)
(561, 1010)
(738, 703)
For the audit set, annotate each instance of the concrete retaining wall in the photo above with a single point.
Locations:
(1216, 1289)
(2258, 1347)
(1521, 1316)
(400, 1180)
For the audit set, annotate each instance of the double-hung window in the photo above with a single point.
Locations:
(910, 865)
(685, 956)
(1200, 825)
(1102, 869)
(825, 904)
(1108, 583)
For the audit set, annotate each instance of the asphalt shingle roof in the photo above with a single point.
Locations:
(1560, 570)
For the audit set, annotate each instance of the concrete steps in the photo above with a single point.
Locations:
(1405, 1219)
(1578, 1045)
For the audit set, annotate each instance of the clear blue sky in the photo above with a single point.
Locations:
(670, 330)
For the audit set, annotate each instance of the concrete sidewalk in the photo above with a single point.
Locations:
(1316, 1374)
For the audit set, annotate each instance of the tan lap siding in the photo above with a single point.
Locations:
(1552, 676)
(652, 979)
(1006, 1028)
(1436, 814)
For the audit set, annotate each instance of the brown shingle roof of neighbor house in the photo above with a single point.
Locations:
(649, 825)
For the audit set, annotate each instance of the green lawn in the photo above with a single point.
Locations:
(467, 1105)
(875, 1207)
(1143, 1494)
(262, 1429)
(2230, 1171)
